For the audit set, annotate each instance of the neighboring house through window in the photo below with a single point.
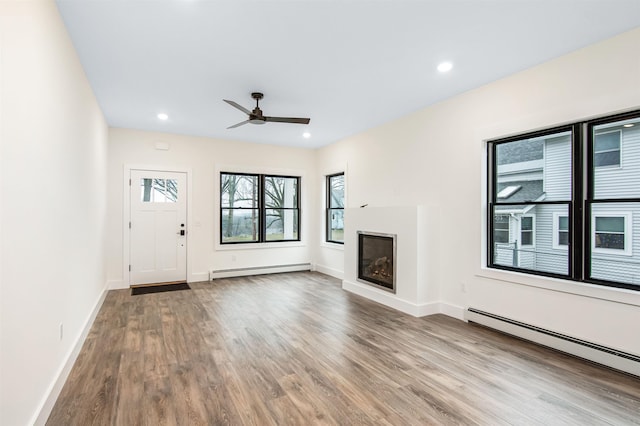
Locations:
(335, 208)
(578, 215)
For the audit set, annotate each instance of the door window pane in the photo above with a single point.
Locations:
(157, 190)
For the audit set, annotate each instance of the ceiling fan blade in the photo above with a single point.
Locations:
(288, 120)
(240, 107)
(238, 124)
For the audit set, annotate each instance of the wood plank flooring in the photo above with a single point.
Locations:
(295, 349)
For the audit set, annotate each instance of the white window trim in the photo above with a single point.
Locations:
(627, 234)
(611, 166)
(533, 230)
(556, 231)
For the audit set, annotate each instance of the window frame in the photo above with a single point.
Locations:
(493, 201)
(532, 230)
(627, 233)
(609, 166)
(261, 208)
(556, 231)
(581, 223)
(329, 208)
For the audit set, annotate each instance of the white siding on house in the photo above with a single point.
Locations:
(623, 181)
(549, 259)
(557, 169)
(619, 267)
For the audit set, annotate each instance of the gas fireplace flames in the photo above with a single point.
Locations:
(381, 268)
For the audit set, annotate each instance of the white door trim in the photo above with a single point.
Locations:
(126, 217)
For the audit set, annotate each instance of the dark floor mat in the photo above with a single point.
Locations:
(159, 288)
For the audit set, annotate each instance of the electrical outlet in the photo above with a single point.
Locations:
(61, 331)
(463, 287)
(233, 257)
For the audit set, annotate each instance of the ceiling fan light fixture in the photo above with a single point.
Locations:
(257, 117)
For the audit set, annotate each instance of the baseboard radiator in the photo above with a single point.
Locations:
(258, 270)
(609, 357)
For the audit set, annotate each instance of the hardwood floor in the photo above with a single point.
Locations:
(296, 349)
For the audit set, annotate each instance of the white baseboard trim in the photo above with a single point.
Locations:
(611, 357)
(453, 311)
(390, 300)
(116, 285)
(330, 271)
(51, 395)
(414, 309)
(259, 270)
(198, 276)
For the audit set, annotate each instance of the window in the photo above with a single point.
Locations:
(501, 228)
(527, 231)
(544, 179)
(259, 208)
(606, 150)
(560, 231)
(611, 233)
(335, 208)
(524, 197)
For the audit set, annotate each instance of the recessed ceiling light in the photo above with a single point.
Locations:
(306, 135)
(628, 125)
(445, 66)
(162, 116)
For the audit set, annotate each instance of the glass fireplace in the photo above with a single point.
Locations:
(376, 260)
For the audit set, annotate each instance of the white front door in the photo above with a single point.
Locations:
(158, 233)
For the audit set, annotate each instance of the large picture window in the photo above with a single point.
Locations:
(259, 208)
(335, 208)
(566, 202)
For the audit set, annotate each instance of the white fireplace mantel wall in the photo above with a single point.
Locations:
(416, 291)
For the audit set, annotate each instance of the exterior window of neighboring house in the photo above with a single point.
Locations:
(611, 233)
(501, 229)
(259, 208)
(335, 208)
(527, 231)
(559, 197)
(606, 149)
(560, 231)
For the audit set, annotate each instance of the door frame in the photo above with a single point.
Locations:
(126, 216)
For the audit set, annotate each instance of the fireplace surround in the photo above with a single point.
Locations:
(377, 260)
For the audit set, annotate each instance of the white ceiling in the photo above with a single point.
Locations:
(349, 65)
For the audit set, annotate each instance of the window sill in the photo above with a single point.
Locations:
(593, 291)
(333, 246)
(259, 246)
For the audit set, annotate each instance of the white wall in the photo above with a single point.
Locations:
(53, 171)
(205, 158)
(435, 157)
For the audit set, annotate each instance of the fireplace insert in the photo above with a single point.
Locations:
(376, 260)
